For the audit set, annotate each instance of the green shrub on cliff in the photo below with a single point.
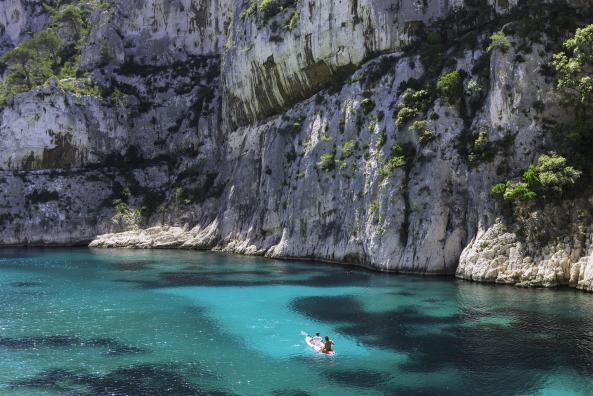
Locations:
(396, 160)
(125, 218)
(348, 148)
(267, 9)
(405, 115)
(414, 103)
(327, 162)
(575, 68)
(425, 134)
(293, 21)
(367, 105)
(549, 176)
(514, 191)
(450, 86)
(499, 41)
(33, 62)
(574, 82)
(251, 10)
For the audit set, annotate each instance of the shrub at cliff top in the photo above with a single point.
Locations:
(32, 63)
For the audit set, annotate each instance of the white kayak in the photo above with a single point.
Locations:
(317, 347)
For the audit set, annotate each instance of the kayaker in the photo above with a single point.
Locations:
(328, 345)
(317, 340)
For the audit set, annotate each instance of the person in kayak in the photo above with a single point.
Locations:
(328, 345)
(317, 340)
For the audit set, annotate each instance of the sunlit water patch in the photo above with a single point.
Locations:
(174, 322)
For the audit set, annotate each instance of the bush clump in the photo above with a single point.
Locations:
(293, 21)
(551, 174)
(125, 218)
(367, 105)
(450, 86)
(425, 134)
(327, 162)
(549, 177)
(267, 9)
(574, 67)
(514, 191)
(396, 160)
(414, 103)
(499, 41)
(348, 148)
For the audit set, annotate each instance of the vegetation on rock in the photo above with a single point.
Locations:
(549, 177)
(414, 104)
(327, 162)
(49, 55)
(125, 218)
(450, 86)
(499, 41)
(264, 10)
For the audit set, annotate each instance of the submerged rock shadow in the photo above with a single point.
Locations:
(476, 351)
(113, 347)
(25, 284)
(141, 379)
(222, 279)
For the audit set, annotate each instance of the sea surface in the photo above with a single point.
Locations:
(118, 322)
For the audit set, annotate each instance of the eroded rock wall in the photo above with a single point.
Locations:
(418, 218)
(279, 136)
(275, 62)
(158, 32)
(556, 250)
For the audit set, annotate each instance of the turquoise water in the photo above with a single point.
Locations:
(183, 323)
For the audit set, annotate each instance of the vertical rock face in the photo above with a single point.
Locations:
(416, 219)
(277, 61)
(314, 129)
(50, 129)
(158, 32)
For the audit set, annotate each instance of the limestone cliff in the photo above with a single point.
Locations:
(314, 129)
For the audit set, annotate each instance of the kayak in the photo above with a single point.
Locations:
(317, 347)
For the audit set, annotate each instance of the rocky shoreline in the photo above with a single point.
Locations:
(496, 256)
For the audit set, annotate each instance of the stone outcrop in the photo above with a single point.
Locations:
(557, 251)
